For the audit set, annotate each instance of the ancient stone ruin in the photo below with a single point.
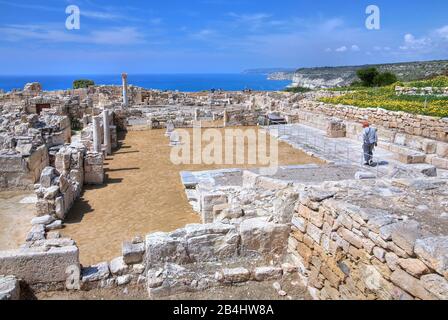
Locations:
(344, 231)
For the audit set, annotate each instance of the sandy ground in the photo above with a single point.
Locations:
(143, 194)
(15, 218)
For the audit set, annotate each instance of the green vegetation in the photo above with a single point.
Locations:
(386, 98)
(298, 90)
(371, 77)
(82, 83)
(438, 82)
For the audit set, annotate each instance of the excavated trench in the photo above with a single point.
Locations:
(143, 193)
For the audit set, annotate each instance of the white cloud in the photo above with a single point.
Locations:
(203, 34)
(355, 48)
(443, 32)
(342, 49)
(55, 34)
(415, 44)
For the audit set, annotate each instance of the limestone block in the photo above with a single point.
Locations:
(118, 267)
(48, 174)
(9, 288)
(161, 248)
(267, 273)
(433, 251)
(47, 219)
(284, 206)
(263, 237)
(436, 285)
(95, 273)
(235, 275)
(34, 266)
(133, 252)
(404, 235)
(208, 201)
(413, 266)
(209, 242)
(410, 284)
(336, 129)
(56, 225)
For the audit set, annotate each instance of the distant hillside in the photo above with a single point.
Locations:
(328, 77)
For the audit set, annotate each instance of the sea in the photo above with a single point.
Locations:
(179, 82)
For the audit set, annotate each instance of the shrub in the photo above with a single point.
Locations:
(367, 76)
(298, 89)
(82, 83)
(385, 79)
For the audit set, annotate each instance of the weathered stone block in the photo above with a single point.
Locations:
(118, 267)
(161, 248)
(95, 273)
(210, 242)
(263, 237)
(410, 284)
(9, 288)
(433, 252)
(39, 267)
(133, 252)
(436, 285)
(235, 275)
(267, 273)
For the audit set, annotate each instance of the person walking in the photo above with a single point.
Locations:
(370, 141)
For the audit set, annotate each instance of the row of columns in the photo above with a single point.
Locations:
(97, 146)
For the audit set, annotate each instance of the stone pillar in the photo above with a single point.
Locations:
(196, 114)
(96, 134)
(107, 142)
(124, 78)
(225, 118)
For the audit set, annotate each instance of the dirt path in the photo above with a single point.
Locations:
(143, 194)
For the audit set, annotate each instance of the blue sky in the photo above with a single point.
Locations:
(214, 36)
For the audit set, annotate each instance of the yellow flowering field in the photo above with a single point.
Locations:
(386, 98)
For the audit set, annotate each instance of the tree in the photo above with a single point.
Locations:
(367, 76)
(385, 79)
(82, 83)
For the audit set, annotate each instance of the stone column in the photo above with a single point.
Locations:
(107, 142)
(225, 118)
(124, 78)
(96, 134)
(196, 114)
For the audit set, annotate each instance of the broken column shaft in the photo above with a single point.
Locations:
(107, 137)
(124, 78)
(96, 134)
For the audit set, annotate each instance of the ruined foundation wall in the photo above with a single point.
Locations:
(19, 172)
(345, 252)
(417, 125)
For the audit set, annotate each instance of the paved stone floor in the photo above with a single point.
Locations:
(342, 150)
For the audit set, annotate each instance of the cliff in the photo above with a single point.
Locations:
(327, 77)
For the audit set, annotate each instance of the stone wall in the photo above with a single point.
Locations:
(418, 125)
(93, 168)
(21, 172)
(410, 91)
(348, 252)
(60, 186)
